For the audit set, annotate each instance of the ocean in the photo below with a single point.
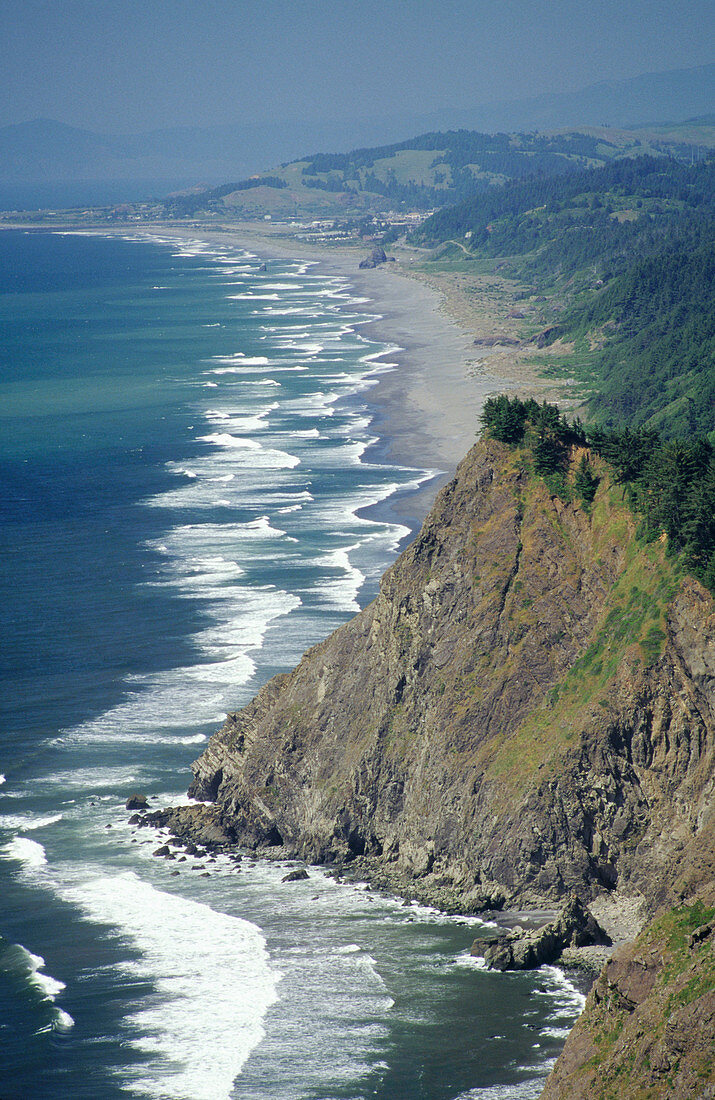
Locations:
(188, 468)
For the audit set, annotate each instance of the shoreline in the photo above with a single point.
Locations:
(411, 388)
(424, 411)
(622, 917)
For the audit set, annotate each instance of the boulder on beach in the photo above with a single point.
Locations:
(376, 257)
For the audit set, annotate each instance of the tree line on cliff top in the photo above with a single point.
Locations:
(669, 484)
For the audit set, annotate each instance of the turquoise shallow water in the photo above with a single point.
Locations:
(185, 469)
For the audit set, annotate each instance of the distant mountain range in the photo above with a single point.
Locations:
(44, 158)
(651, 99)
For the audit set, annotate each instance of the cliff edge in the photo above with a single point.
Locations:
(526, 710)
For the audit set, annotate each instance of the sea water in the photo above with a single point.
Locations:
(187, 462)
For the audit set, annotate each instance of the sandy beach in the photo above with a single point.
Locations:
(429, 406)
(449, 326)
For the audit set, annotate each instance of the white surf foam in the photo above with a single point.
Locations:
(471, 962)
(275, 368)
(278, 286)
(286, 311)
(213, 978)
(252, 296)
(26, 822)
(307, 433)
(239, 420)
(49, 988)
(204, 562)
(518, 1090)
(561, 990)
(225, 439)
(89, 780)
(27, 852)
(240, 359)
(340, 592)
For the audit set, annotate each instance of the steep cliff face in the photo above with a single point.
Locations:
(526, 709)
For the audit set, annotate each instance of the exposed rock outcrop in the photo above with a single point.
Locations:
(525, 711)
(137, 802)
(377, 256)
(518, 950)
(497, 341)
(296, 876)
(546, 336)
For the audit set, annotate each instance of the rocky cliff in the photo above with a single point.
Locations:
(649, 1023)
(526, 709)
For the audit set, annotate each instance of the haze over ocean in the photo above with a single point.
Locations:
(185, 464)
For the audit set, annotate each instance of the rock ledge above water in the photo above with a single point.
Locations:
(519, 950)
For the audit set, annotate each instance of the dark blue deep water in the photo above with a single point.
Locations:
(185, 465)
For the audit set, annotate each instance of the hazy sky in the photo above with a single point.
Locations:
(127, 65)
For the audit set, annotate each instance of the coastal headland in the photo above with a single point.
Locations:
(523, 718)
(525, 713)
(460, 339)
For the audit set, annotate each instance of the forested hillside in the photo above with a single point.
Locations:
(422, 173)
(629, 250)
(459, 163)
(619, 245)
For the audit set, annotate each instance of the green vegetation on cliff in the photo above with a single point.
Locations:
(647, 1029)
(652, 331)
(485, 731)
(669, 484)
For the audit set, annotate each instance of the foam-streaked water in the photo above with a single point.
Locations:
(186, 466)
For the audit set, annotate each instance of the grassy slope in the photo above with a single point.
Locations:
(630, 632)
(434, 170)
